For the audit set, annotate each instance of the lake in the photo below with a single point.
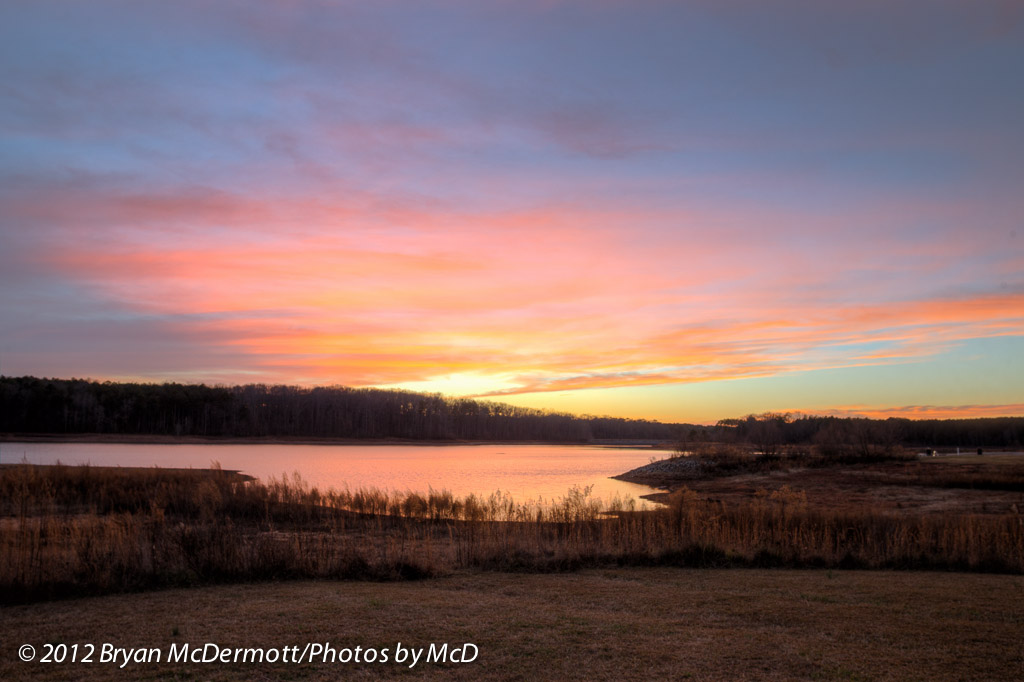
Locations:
(527, 472)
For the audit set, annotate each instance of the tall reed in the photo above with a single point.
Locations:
(68, 531)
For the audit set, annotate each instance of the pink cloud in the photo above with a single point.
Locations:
(927, 411)
(360, 290)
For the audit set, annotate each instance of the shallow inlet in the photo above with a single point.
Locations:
(526, 472)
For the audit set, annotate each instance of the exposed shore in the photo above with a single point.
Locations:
(949, 483)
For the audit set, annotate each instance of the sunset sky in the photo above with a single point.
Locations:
(673, 210)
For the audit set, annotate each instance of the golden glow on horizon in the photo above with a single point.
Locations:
(342, 194)
(458, 385)
(558, 300)
(512, 318)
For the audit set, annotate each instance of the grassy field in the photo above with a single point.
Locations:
(610, 624)
(689, 591)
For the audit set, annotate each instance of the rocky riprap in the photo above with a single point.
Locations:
(664, 470)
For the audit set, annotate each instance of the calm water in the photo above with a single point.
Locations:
(527, 472)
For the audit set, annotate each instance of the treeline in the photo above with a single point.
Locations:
(77, 406)
(771, 431)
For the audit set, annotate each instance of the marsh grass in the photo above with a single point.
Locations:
(69, 531)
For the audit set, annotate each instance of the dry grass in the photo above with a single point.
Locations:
(72, 531)
(608, 624)
(500, 580)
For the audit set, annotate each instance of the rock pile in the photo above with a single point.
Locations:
(676, 468)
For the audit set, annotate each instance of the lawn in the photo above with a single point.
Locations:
(602, 624)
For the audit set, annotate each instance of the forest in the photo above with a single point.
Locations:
(774, 431)
(30, 405)
(75, 406)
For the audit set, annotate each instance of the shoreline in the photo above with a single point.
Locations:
(949, 484)
(94, 468)
(152, 439)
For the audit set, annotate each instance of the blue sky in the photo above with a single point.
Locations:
(674, 210)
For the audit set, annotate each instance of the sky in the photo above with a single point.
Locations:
(682, 211)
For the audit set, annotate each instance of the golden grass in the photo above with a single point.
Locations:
(602, 624)
(72, 531)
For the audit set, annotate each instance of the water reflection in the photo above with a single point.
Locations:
(526, 472)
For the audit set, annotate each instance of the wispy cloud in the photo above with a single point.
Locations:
(507, 198)
(929, 411)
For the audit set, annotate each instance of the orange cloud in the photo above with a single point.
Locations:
(927, 411)
(555, 298)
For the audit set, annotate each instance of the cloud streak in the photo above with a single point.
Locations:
(928, 411)
(509, 199)
(541, 301)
